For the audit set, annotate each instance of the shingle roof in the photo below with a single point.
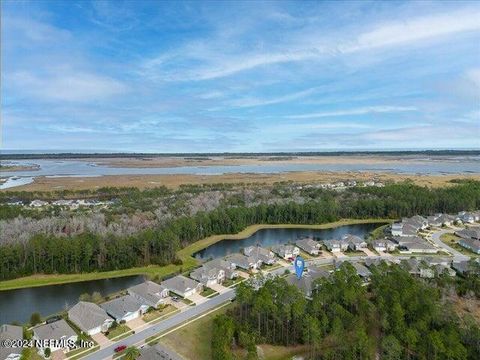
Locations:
(148, 290)
(121, 306)
(180, 283)
(87, 315)
(55, 330)
(11, 332)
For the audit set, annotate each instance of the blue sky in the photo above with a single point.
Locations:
(240, 76)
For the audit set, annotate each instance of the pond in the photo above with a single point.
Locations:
(18, 305)
(270, 237)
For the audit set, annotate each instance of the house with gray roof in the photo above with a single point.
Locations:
(336, 246)
(260, 254)
(208, 275)
(470, 244)
(10, 332)
(286, 251)
(90, 318)
(243, 262)
(182, 286)
(157, 352)
(414, 244)
(149, 293)
(354, 242)
(309, 245)
(472, 232)
(384, 245)
(124, 308)
(58, 330)
(227, 267)
(306, 282)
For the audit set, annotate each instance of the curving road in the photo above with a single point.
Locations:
(171, 322)
(457, 256)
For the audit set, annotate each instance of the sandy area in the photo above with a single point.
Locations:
(174, 181)
(159, 161)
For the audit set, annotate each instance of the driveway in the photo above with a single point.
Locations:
(136, 323)
(218, 288)
(368, 252)
(176, 304)
(197, 298)
(101, 340)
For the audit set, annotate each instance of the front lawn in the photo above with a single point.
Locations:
(155, 314)
(208, 292)
(230, 282)
(117, 331)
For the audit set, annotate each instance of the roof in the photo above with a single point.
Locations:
(282, 249)
(11, 332)
(240, 260)
(470, 233)
(308, 244)
(87, 315)
(474, 245)
(55, 330)
(353, 239)
(157, 352)
(121, 306)
(305, 283)
(180, 283)
(148, 290)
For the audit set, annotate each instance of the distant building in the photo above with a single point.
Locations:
(260, 255)
(336, 246)
(286, 251)
(469, 233)
(306, 282)
(243, 262)
(354, 242)
(183, 286)
(384, 245)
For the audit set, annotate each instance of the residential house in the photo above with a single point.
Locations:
(38, 203)
(90, 318)
(470, 244)
(362, 271)
(443, 269)
(309, 245)
(54, 333)
(228, 268)
(10, 332)
(470, 233)
(125, 308)
(413, 244)
(384, 245)
(286, 251)
(354, 242)
(149, 293)
(260, 254)
(397, 229)
(243, 262)
(370, 262)
(208, 275)
(157, 352)
(336, 246)
(306, 282)
(183, 286)
(463, 267)
(466, 217)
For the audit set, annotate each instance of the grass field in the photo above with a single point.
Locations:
(150, 316)
(119, 330)
(452, 241)
(161, 271)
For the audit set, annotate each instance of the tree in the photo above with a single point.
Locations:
(47, 352)
(131, 353)
(391, 348)
(85, 297)
(96, 297)
(35, 319)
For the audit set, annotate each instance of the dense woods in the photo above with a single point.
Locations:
(396, 317)
(109, 245)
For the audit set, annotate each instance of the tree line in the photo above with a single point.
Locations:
(88, 251)
(396, 317)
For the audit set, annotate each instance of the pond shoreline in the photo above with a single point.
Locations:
(184, 254)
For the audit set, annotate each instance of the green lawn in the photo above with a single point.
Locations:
(119, 330)
(208, 292)
(193, 341)
(153, 315)
(230, 282)
(452, 241)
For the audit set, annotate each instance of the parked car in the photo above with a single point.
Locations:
(120, 348)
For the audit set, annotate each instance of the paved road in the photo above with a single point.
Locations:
(457, 256)
(162, 326)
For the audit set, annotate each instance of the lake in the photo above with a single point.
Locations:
(78, 168)
(18, 305)
(270, 237)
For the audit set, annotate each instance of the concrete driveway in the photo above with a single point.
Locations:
(368, 252)
(176, 304)
(136, 323)
(101, 340)
(197, 298)
(218, 288)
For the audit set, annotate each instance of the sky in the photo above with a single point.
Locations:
(226, 76)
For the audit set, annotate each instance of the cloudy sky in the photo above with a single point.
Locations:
(224, 76)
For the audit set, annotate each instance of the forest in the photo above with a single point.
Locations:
(395, 317)
(117, 246)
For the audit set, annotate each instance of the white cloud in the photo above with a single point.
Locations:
(252, 102)
(357, 111)
(67, 86)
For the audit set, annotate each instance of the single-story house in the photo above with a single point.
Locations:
(124, 308)
(463, 267)
(149, 293)
(309, 245)
(286, 251)
(90, 318)
(182, 286)
(472, 232)
(55, 331)
(470, 244)
(383, 245)
(260, 254)
(306, 282)
(243, 262)
(466, 217)
(10, 332)
(362, 270)
(157, 352)
(354, 242)
(412, 244)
